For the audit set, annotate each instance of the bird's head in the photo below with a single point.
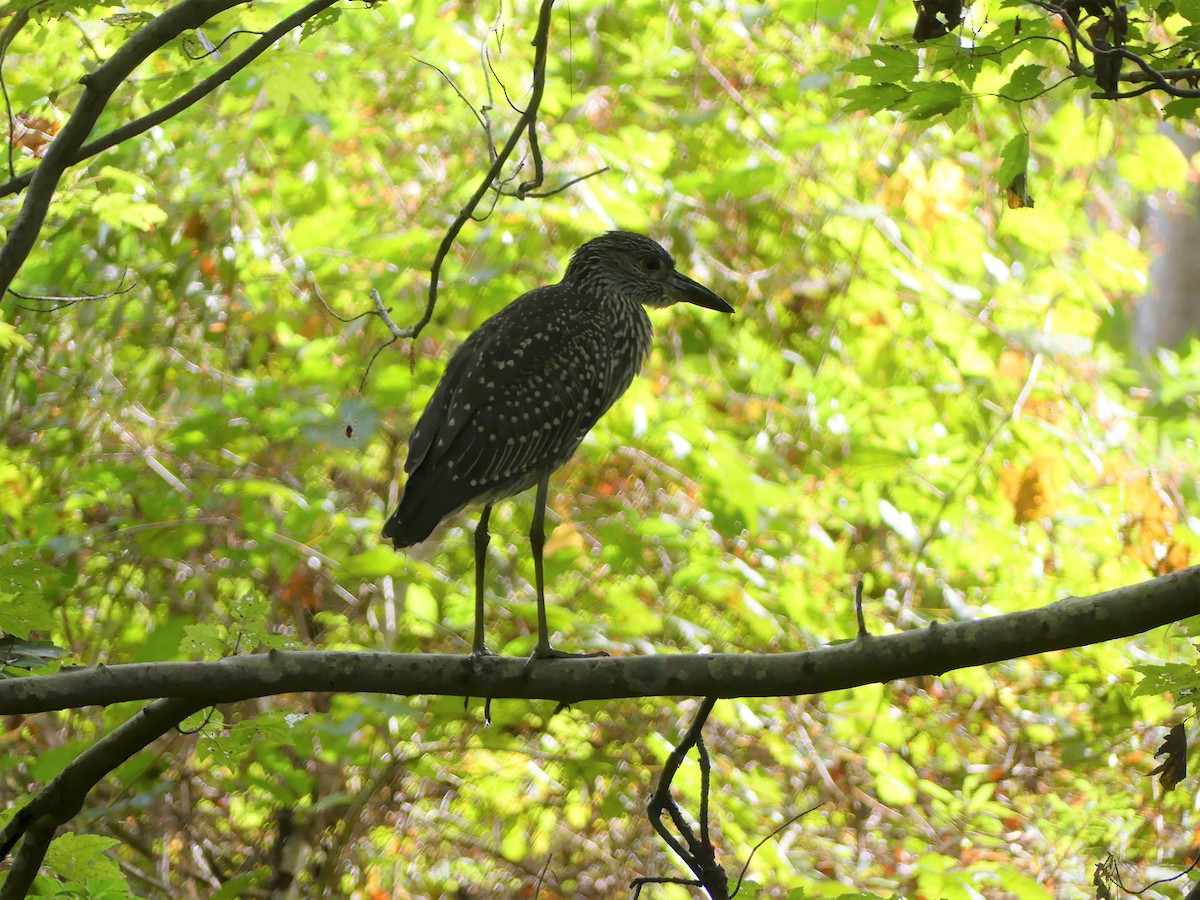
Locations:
(636, 268)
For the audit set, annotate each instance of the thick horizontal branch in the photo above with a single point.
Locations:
(1073, 622)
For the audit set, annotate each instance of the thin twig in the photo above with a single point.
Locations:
(755, 849)
(461, 96)
(216, 48)
(562, 187)
(63, 302)
(541, 42)
(541, 879)
(863, 634)
(384, 313)
(487, 59)
(14, 26)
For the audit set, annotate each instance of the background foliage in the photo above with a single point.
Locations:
(921, 385)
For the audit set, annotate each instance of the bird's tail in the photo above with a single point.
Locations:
(404, 529)
(416, 516)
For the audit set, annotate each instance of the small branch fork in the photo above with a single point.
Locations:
(491, 181)
(699, 855)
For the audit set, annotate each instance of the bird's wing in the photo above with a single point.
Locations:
(467, 375)
(539, 414)
(520, 394)
(432, 422)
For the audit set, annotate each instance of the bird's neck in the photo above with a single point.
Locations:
(633, 324)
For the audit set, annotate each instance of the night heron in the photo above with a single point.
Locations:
(523, 390)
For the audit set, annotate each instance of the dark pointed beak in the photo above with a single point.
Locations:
(688, 291)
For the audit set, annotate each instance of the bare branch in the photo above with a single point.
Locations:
(62, 799)
(184, 101)
(99, 86)
(384, 313)
(699, 855)
(461, 96)
(749, 859)
(38, 833)
(1073, 622)
(215, 49)
(564, 186)
(541, 41)
(61, 302)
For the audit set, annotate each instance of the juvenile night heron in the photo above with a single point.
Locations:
(520, 394)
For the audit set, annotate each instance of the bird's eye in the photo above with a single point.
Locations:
(651, 263)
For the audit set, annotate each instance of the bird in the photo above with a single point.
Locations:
(520, 394)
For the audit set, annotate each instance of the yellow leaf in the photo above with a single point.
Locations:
(1032, 491)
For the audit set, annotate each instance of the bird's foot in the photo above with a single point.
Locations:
(548, 652)
(478, 655)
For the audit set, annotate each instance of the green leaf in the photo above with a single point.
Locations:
(81, 857)
(291, 78)
(1024, 83)
(1014, 160)
(421, 613)
(11, 339)
(202, 640)
(1185, 109)
(1158, 164)
(885, 64)
(933, 100)
(319, 22)
(25, 654)
(380, 560)
(874, 97)
(22, 615)
(1173, 678)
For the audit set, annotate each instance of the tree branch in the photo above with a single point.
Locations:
(60, 800)
(1073, 622)
(99, 86)
(700, 856)
(526, 123)
(185, 100)
(1158, 80)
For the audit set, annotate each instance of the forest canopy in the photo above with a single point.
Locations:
(242, 240)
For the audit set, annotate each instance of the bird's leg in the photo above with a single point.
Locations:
(537, 541)
(482, 536)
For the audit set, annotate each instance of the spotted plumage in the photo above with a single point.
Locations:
(523, 390)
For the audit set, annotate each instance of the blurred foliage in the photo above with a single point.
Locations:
(921, 385)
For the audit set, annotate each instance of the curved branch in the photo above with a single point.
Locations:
(183, 101)
(1158, 80)
(60, 800)
(99, 86)
(700, 856)
(541, 42)
(1073, 622)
